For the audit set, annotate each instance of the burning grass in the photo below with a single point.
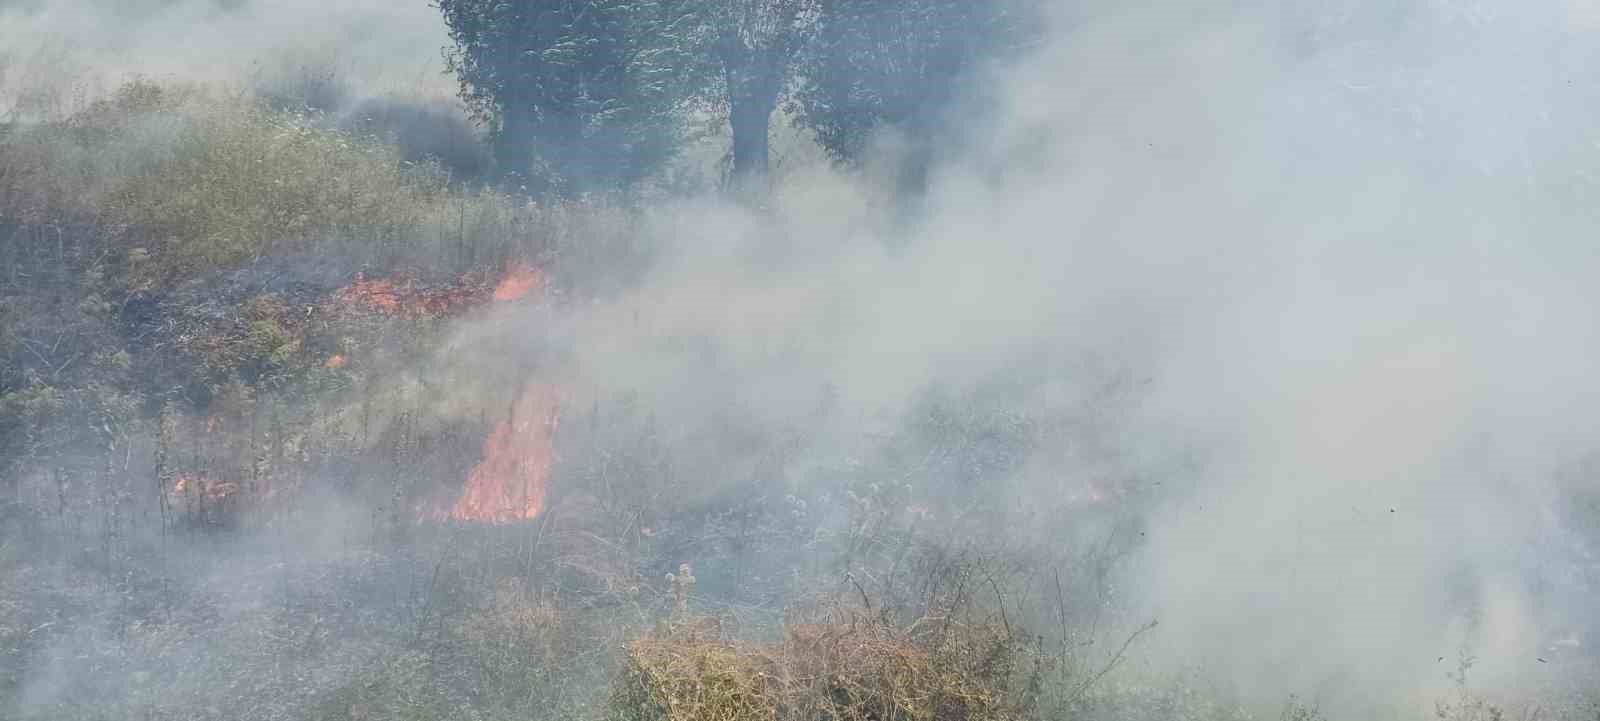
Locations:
(519, 281)
(407, 296)
(849, 668)
(509, 483)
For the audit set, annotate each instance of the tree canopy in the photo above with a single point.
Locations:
(876, 63)
(576, 94)
(592, 94)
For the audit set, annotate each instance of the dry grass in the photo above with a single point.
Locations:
(237, 181)
(847, 668)
(192, 179)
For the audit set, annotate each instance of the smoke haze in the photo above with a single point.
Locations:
(1335, 258)
(1344, 245)
(77, 49)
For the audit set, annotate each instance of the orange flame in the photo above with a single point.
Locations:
(380, 295)
(520, 280)
(405, 296)
(509, 484)
(335, 361)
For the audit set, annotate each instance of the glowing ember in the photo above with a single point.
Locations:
(509, 484)
(336, 361)
(519, 281)
(380, 295)
(405, 296)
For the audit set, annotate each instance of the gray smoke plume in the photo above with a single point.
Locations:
(1343, 249)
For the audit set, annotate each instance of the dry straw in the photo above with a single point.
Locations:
(850, 667)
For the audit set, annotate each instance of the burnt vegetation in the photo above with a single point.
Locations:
(292, 424)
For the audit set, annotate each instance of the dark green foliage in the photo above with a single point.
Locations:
(422, 132)
(579, 96)
(576, 95)
(878, 63)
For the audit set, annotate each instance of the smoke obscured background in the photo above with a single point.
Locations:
(370, 48)
(1281, 315)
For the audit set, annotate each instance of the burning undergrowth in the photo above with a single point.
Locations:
(510, 483)
(406, 295)
(768, 360)
(245, 434)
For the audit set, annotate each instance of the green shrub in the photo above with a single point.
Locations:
(239, 181)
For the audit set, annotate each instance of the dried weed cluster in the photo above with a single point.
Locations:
(850, 666)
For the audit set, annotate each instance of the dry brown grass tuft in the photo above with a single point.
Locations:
(847, 668)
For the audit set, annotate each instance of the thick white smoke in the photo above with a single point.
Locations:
(1349, 244)
(59, 53)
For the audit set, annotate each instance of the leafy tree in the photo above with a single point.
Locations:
(582, 94)
(576, 94)
(900, 64)
(757, 44)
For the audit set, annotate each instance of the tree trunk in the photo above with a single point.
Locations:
(753, 77)
(751, 118)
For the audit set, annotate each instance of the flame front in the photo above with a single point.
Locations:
(407, 296)
(520, 280)
(509, 483)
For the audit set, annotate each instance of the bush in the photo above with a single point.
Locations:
(196, 180)
(848, 668)
(239, 181)
(423, 131)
